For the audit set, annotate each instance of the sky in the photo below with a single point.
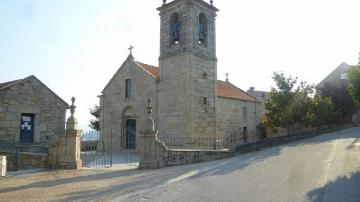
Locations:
(76, 46)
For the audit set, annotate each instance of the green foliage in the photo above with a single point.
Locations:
(289, 105)
(341, 98)
(95, 123)
(354, 83)
(323, 111)
(278, 113)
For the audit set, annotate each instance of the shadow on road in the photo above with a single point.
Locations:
(342, 189)
(245, 160)
(69, 180)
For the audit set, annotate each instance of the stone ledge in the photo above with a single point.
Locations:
(199, 150)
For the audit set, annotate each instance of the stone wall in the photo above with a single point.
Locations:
(231, 120)
(182, 88)
(277, 140)
(182, 156)
(155, 154)
(297, 128)
(31, 96)
(25, 160)
(116, 109)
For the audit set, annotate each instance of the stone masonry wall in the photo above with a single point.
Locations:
(115, 108)
(231, 120)
(204, 121)
(182, 157)
(26, 160)
(31, 96)
(182, 88)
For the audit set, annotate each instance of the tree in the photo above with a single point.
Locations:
(354, 83)
(323, 111)
(278, 114)
(341, 98)
(95, 122)
(289, 105)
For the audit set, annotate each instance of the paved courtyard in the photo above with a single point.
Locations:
(324, 168)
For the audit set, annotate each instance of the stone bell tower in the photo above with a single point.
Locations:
(187, 85)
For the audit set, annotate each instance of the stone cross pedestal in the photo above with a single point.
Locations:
(151, 149)
(3, 165)
(69, 145)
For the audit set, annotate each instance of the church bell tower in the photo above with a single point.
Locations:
(188, 69)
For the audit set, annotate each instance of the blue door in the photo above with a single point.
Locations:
(27, 128)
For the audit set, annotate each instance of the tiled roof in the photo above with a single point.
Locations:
(228, 90)
(224, 89)
(262, 95)
(7, 84)
(154, 71)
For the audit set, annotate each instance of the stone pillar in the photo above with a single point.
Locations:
(3, 166)
(152, 151)
(68, 154)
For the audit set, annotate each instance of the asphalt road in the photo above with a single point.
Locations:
(324, 168)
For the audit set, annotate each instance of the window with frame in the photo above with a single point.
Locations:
(127, 88)
(205, 101)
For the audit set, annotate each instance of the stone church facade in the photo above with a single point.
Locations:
(188, 100)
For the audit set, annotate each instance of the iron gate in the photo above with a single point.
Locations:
(94, 153)
(132, 156)
(97, 151)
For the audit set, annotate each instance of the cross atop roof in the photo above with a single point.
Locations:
(130, 49)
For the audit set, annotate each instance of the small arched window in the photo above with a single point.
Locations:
(175, 28)
(204, 76)
(202, 28)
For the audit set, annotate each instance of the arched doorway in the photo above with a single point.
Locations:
(130, 134)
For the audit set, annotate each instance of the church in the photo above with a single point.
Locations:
(188, 101)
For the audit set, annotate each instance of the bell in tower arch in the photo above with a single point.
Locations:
(202, 28)
(175, 28)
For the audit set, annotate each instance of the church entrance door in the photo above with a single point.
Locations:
(130, 137)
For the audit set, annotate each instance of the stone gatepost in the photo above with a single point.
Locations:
(152, 151)
(68, 154)
(3, 166)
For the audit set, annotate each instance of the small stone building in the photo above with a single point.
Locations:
(188, 100)
(30, 112)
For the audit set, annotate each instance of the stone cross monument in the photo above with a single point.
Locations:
(71, 123)
(151, 149)
(69, 149)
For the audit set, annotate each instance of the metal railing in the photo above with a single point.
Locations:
(89, 140)
(93, 153)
